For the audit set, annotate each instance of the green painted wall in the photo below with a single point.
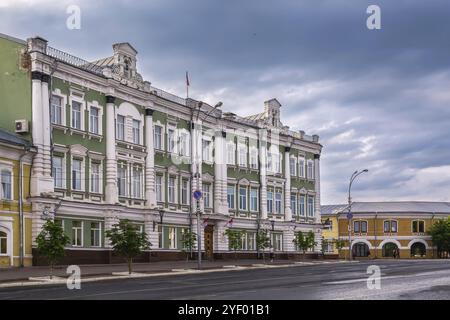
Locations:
(15, 86)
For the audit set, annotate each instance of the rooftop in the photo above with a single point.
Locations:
(389, 207)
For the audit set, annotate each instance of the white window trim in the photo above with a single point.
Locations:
(63, 171)
(233, 145)
(95, 104)
(187, 146)
(141, 185)
(175, 138)
(234, 196)
(7, 166)
(175, 189)
(305, 206)
(82, 110)
(82, 234)
(99, 235)
(188, 193)
(162, 175)
(257, 199)
(295, 166)
(302, 173)
(163, 130)
(83, 173)
(242, 144)
(246, 198)
(125, 165)
(313, 206)
(57, 93)
(412, 221)
(256, 164)
(307, 169)
(100, 180)
(210, 149)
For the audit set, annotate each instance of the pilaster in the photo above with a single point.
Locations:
(150, 194)
(111, 192)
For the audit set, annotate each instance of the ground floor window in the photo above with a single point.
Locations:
(418, 249)
(3, 243)
(277, 241)
(171, 237)
(248, 241)
(390, 250)
(360, 249)
(77, 233)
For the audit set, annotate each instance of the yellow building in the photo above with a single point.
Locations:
(388, 229)
(330, 231)
(15, 237)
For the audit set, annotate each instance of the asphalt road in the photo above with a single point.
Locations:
(400, 279)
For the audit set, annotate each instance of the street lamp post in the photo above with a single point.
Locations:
(197, 176)
(349, 215)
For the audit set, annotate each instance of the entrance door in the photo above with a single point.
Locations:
(209, 243)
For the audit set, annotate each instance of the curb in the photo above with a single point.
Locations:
(42, 281)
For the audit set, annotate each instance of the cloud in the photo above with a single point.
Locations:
(378, 99)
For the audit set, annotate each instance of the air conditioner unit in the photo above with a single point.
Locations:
(21, 126)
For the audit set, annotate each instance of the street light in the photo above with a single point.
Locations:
(349, 215)
(197, 176)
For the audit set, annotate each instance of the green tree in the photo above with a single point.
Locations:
(51, 242)
(234, 240)
(263, 241)
(304, 241)
(440, 235)
(339, 245)
(188, 241)
(128, 241)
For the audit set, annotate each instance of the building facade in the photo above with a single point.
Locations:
(111, 146)
(378, 229)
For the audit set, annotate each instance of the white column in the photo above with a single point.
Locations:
(111, 192)
(47, 165)
(220, 174)
(263, 172)
(196, 166)
(288, 237)
(150, 194)
(110, 221)
(317, 187)
(287, 186)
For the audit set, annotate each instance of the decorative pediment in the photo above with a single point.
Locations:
(172, 169)
(244, 182)
(78, 150)
(303, 190)
(207, 177)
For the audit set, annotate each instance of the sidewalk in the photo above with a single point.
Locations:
(22, 274)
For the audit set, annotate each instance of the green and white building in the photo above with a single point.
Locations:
(112, 146)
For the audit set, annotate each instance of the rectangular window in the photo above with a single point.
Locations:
(243, 198)
(76, 174)
(277, 159)
(310, 206)
(77, 233)
(269, 163)
(3, 243)
(230, 197)
(184, 144)
(6, 185)
(278, 242)
(207, 195)
(76, 115)
(185, 191)
(57, 172)
(120, 130)
(356, 226)
(302, 206)
(95, 234)
(171, 140)
(231, 158)
(390, 226)
(122, 180)
(171, 189)
(137, 182)
(206, 150)
(93, 120)
(310, 172)
(394, 226)
(158, 183)
(158, 137)
(251, 240)
(95, 177)
(242, 155)
(172, 237)
(278, 201)
(254, 158)
(253, 199)
(294, 204)
(363, 226)
(301, 167)
(293, 166)
(269, 201)
(56, 110)
(418, 226)
(136, 132)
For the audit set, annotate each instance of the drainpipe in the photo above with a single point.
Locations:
(375, 233)
(21, 226)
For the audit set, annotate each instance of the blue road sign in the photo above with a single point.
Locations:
(197, 194)
(349, 215)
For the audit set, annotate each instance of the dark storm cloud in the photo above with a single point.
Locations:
(379, 99)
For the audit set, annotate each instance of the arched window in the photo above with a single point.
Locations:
(360, 249)
(418, 249)
(3, 243)
(390, 249)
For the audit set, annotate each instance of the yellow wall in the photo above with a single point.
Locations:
(331, 235)
(10, 209)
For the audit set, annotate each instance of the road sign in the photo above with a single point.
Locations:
(349, 215)
(197, 194)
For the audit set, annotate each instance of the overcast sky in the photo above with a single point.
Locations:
(379, 99)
